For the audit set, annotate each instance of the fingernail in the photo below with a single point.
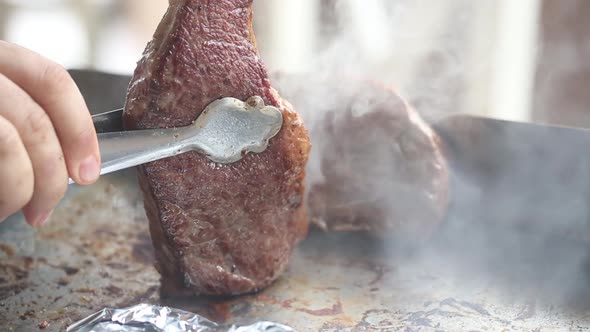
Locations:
(89, 170)
(39, 219)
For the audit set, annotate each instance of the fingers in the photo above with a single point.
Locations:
(16, 171)
(43, 147)
(52, 88)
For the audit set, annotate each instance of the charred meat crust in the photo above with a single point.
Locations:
(216, 229)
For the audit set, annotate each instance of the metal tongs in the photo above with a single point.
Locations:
(225, 131)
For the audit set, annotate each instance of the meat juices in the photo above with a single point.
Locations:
(217, 229)
(376, 165)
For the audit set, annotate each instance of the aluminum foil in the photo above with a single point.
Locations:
(152, 318)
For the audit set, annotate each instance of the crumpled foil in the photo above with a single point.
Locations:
(152, 318)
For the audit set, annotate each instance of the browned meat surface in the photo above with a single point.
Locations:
(375, 165)
(217, 229)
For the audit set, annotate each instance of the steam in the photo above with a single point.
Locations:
(423, 49)
(529, 240)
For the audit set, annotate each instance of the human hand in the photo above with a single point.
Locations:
(46, 135)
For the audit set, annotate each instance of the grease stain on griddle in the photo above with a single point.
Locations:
(117, 266)
(15, 273)
(220, 309)
(27, 262)
(138, 297)
(377, 319)
(8, 250)
(10, 290)
(85, 291)
(69, 270)
(63, 282)
(287, 303)
(56, 299)
(114, 291)
(27, 315)
(143, 250)
(219, 312)
(336, 309)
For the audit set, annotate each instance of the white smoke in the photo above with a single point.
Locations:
(432, 53)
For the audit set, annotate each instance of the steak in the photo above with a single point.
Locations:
(376, 165)
(217, 229)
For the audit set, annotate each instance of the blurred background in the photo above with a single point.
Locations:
(521, 60)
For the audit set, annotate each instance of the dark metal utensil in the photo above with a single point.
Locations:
(511, 173)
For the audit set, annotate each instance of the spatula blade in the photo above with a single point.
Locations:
(512, 171)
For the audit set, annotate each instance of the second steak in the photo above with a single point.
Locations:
(376, 164)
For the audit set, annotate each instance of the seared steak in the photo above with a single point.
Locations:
(217, 229)
(376, 165)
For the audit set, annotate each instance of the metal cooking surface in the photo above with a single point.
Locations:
(479, 274)
(96, 253)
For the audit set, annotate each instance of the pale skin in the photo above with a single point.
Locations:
(46, 135)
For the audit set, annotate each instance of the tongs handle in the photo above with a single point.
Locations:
(126, 149)
(225, 131)
(121, 149)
